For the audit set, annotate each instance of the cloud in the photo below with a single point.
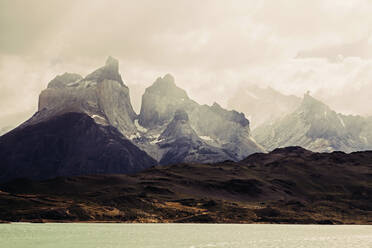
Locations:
(212, 47)
(23, 23)
(361, 48)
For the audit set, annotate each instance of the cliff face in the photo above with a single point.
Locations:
(101, 95)
(160, 102)
(66, 145)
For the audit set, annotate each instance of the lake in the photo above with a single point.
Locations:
(81, 235)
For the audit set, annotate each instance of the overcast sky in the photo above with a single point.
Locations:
(213, 48)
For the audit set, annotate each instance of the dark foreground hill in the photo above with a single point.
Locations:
(70, 144)
(289, 185)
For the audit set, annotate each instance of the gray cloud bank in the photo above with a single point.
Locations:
(213, 48)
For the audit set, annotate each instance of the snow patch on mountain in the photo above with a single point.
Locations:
(139, 127)
(207, 138)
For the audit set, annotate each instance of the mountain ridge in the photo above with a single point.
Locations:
(227, 130)
(315, 126)
(205, 134)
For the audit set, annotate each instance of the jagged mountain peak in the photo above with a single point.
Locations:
(168, 79)
(64, 80)
(112, 64)
(101, 95)
(314, 110)
(311, 103)
(166, 87)
(110, 71)
(161, 100)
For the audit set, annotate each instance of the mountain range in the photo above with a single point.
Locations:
(315, 126)
(85, 155)
(86, 125)
(211, 132)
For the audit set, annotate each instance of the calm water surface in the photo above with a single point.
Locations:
(24, 235)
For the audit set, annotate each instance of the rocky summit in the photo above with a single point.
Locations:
(101, 95)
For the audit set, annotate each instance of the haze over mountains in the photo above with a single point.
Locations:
(190, 42)
(314, 126)
(262, 105)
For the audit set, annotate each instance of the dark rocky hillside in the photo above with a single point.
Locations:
(66, 145)
(288, 185)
